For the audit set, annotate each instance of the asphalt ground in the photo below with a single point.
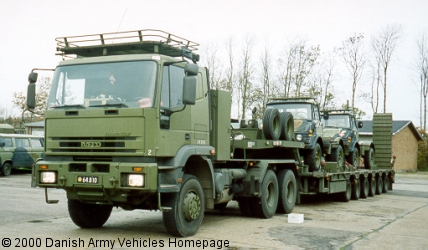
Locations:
(395, 220)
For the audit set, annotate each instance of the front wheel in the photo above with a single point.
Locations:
(6, 169)
(188, 207)
(87, 215)
(313, 158)
(338, 156)
(265, 206)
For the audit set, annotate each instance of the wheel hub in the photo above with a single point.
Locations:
(191, 206)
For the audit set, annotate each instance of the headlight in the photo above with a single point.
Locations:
(135, 180)
(299, 137)
(47, 177)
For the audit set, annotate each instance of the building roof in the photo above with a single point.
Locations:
(397, 126)
(35, 124)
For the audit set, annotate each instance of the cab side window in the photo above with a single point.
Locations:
(172, 86)
(7, 141)
(22, 142)
(35, 142)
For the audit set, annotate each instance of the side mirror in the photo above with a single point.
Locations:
(2, 144)
(31, 90)
(189, 90)
(191, 69)
(360, 124)
(325, 115)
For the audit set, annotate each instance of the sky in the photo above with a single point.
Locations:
(29, 29)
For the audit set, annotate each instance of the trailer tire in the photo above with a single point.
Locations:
(356, 188)
(372, 186)
(345, 196)
(188, 207)
(287, 191)
(6, 169)
(354, 157)
(364, 188)
(88, 215)
(379, 185)
(287, 126)
(369, 157)
(313, 158)
(338, 156)
(271, 124)
(265, 206)
(245, 206)
(385, 184)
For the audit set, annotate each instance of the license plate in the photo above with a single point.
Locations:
(87, 179)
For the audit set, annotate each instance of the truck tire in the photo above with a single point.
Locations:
(6, 169)
(188, 207)
(313, 158)
(287, 126)
(345, 196)
(271, 124)
(385, 184)
(245, 206)
(369, 157)
(354, 158)
(265, 206)
(287, 187)
(379, 185)
(356, 188)
(364, 188)
(88, 215)
(372, 186)
(338, 156)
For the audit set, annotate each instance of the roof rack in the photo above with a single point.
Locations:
(345, 111)
(128, 42)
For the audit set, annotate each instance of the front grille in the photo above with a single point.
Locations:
(92, 144)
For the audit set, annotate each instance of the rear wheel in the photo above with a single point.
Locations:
(6, 169)
(385, 184)
(345, 196)
(188, 207)
(354, 157)
(265, 206)
(364, 188)
(379, 185)
(88, 215)
(355, 189)
(372, 186)
(287, 191)
(313, 158)
(245, 206)
(369, 157)
(338, 156)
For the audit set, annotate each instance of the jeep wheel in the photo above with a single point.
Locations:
(6, 169)
(354, 158)
(338, 156)
(88, 215)
(313, 158)
(265, 206)
(369, 158)
(188, 207)
(287, 191)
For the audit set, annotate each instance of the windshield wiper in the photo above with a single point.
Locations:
(117, 104)
(80, 106)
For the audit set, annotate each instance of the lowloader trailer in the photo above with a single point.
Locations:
(131, 122)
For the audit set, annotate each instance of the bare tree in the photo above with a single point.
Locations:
(321, 82)
(229, 80)
(384, 44)
(422, 69)
(215, 67)
(352, 53)
(266, 67)
(246, 87)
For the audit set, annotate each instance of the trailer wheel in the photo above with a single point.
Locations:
(271, 124)
(356, 188)
(313, 158)
(364, 188)
(88, 215)
(385, 184)
(338, 156)
(287, 191)
(245, 206)
(345, 196)
(188, 207)
(354, 158)
(369, 157)
(6, 169)
(379, 185)
(265, 206)
(372, 186)
(287, 126)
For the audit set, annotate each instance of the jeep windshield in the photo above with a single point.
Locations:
(337, 121)
(117, 84)
(299, 110)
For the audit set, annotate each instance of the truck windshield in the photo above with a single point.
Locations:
(339, 121)
(122, 84)
(299, 110)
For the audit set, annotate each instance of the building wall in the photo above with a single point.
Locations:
(405, 147)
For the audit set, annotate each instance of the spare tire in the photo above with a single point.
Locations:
(271, 124)
(287, 126)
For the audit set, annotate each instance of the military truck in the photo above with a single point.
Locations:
(341, 123)
(306, 119)
(131, 122)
